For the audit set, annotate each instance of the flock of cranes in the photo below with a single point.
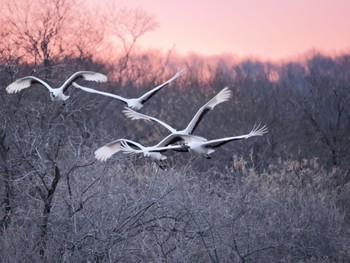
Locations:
(178, 140)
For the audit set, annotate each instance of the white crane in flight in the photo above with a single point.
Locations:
(205, 148)
(133, 103)
(131, 147)
(56, 94)
(176, 135)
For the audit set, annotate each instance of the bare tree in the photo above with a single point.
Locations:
(42, 32)
(126, 27)
(39, 31)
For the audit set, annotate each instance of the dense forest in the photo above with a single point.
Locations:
(281, 197)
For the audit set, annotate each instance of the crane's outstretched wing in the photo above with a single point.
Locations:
(24, 83)
(256, 131)
(87, 75)
(105, 152)
(152, 92)
(133, 115)
(224, 95)
(76, 85)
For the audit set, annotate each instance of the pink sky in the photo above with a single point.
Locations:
(267, 29)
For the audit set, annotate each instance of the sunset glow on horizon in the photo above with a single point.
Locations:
(269, 29)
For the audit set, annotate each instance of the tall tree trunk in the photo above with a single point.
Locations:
(47, 211)
(5, 220)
